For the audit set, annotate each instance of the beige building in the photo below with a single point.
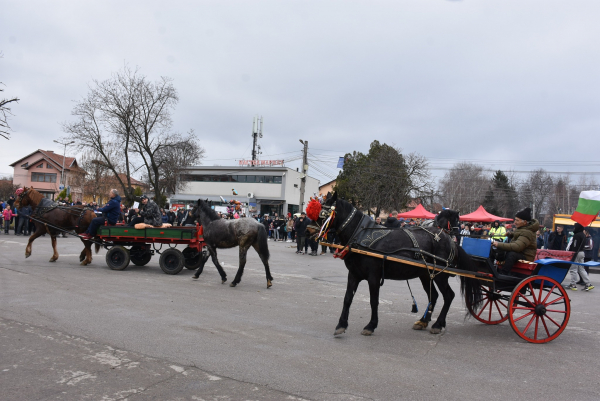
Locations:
(263, 190)
(42, 170)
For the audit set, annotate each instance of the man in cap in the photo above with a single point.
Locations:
(149, 213)
(523, 244)
(110, 212)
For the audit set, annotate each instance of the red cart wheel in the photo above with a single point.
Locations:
(539, 309)
(493, 309)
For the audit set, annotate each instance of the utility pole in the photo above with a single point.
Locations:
(304, 171)
(62, 173)
(257, 124)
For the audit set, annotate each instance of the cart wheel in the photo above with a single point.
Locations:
(139, 255)
(193, 259)
(171, 261)
(539, 309)
(494, 308)
(117, 258)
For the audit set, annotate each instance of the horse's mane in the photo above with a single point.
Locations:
(210, 213)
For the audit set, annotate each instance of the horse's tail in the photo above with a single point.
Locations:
(97, 248)
(470, 288)
(263, 245)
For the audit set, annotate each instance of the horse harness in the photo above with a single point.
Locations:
(46, 205)
(367, 234)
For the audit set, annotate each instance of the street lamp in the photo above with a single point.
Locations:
(62, 173)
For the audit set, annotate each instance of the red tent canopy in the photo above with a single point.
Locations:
(417, 213)
(482, 215)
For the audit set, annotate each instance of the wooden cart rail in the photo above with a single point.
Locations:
(464, 273)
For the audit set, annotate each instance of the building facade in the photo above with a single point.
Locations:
(43, 170)
(262, 190)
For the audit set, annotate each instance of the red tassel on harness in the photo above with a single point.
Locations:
(313, 209)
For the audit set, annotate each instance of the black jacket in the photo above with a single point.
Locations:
(300, 226)
(392, 222)
(578, 239)
(557, 242)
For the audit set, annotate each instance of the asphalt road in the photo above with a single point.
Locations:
(88, 333)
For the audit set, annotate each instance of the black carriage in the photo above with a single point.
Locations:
(128, 244)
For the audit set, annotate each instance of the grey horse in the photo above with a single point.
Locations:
(245, 233)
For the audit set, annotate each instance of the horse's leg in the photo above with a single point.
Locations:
(87, 251)
(442, 283)
(201, 267)
(39, 230)
(432, 296)
(350, 291)
(213, 255)
(265, 260)
(55, 254)
(240, 272)
(374, 296)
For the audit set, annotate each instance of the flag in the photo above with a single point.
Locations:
(340, 162)
(587, 207)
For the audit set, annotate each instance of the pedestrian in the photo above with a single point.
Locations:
(588, 249)
(7, 215)
(539, 239)
(392, 220)
(289, 227)
(576, 270)
(300, 228)
(497, 232)
(557, 239)
(378, 221)
(24, 214)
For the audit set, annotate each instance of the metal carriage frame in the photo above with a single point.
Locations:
(127, 244)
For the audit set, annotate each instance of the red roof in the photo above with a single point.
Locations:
(56, 158)
(417, 213)
(482, 215)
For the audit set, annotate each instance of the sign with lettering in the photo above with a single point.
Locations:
(261, 162)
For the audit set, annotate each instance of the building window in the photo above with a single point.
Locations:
(260, 179)
(277, 179)
(25, 165)
(41, 166)
(48, 165)
(43, 177)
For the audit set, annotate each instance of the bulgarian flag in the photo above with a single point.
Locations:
(587, 207)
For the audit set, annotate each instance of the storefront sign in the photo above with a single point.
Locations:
(261, 162)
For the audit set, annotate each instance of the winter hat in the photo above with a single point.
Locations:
(524, 214)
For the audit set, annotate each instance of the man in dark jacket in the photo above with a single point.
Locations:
(110, 213)
(150, 213)
(392, 221)
(24, 214)
(577, 270)
(523, 244)
(300, 227)
(557, 239)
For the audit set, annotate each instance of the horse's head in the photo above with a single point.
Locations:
(447, 219)
(320, 213)
(22, 198)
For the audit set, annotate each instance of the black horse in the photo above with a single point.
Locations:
(245, 233)
(436, 246)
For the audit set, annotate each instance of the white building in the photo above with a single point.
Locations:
(263, 190)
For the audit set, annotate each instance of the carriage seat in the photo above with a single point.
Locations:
(524, 267)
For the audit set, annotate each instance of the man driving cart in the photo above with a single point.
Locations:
(523, 243)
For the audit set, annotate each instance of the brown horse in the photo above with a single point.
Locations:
(48, 216)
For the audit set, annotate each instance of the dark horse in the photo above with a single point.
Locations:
(47, 215)
(354, 230)
(245, 233)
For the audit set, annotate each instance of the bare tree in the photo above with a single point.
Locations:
(535, 191)
(7, 188)
(173, 160)
(464, 187)
(5, 112)
(134, 114)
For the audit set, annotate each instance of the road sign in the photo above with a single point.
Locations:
(61, 187)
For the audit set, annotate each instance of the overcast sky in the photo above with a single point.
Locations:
(502, 83)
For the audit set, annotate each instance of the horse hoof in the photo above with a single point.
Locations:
(366, 332)
(232, 284)
(269, 284)
(435, 330)
(339, 331)
(52, 260)
(419, 325)
(27, 255)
